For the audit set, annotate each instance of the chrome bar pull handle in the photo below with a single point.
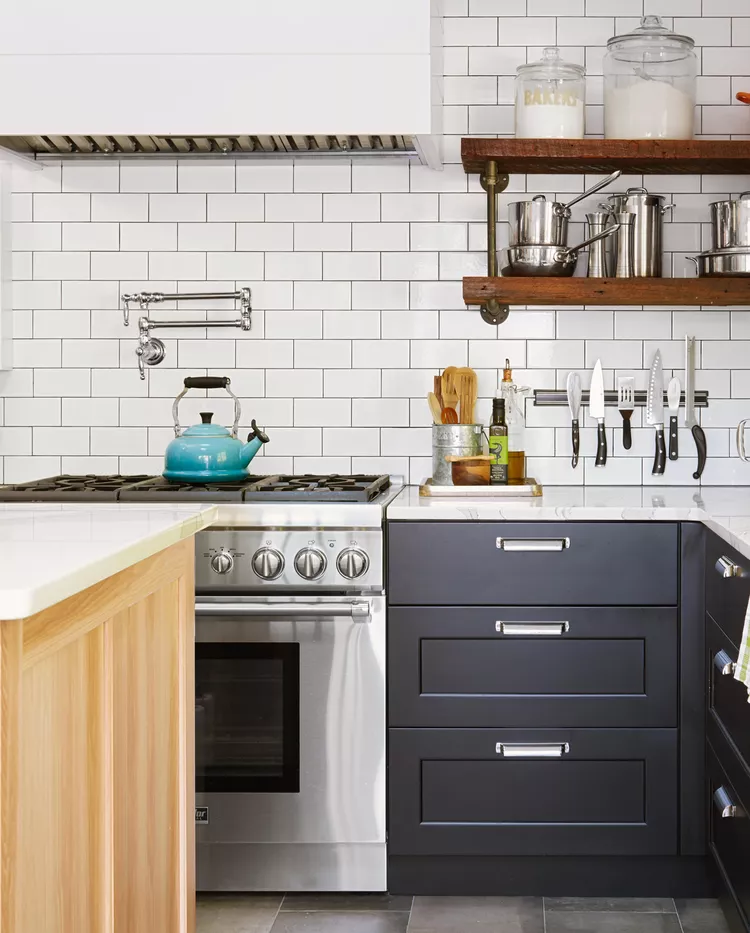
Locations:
(532, 628)
(727, 568)
(532, 751)
(725, 805)
(532, 544)
(724, 664)
(358, 611)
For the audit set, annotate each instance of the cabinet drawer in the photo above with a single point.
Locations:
(532, 666)
(727, 596)
(729, 829)
(533, 563)
(727, 697)
(465, 792)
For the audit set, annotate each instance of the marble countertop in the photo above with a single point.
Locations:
(51, 551)
(723, 509)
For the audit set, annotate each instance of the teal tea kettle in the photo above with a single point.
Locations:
(208, 452)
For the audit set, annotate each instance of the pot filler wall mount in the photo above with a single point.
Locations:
(150, 350)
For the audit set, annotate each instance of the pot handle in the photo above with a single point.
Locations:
(744, 195)
(637, 190)
(571, 251)
(695, 260)
(206, 382)
(667, 207)
(594, 188)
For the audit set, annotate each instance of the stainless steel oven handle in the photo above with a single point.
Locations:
(356, 611)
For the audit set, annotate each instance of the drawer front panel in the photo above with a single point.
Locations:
(466, 792)
(532, 667)
(529, 563)
(727, 596)
(729, 832)
(727, 696)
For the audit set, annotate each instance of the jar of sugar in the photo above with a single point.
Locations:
(649, 84)
(550, 98)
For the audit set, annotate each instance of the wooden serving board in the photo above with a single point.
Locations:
(527, 489)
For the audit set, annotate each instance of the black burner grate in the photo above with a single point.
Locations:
(158, 489)
(334, 488)
(65, 488)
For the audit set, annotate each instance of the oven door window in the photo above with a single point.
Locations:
(247, 718)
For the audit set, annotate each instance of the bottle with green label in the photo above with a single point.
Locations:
(498, 440)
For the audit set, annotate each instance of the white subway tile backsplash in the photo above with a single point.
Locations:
(62, 207)
(174, 208)
(235, 266)
(205, 176)
(294, 207)
(203, 237)
(303, 324)
(327, 354)
(91, 175)
(117, 207)
(144, 175)
(37, 236)
(322, 412)
(263, 236)
(351, 383)
(324, 177)
(345, 208)
(32, 411)
(119, 266)
(264, 176)
(322, 296)
(148, 237)
(59, 383)
(438, 236)
(342, 265)
(380, 296)
(185, 265)
(376, 176)
(382, 237)
(60, 266)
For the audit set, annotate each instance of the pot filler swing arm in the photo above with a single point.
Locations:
(150, 350)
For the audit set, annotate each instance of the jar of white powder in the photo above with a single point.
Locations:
(649, 84)
(550, 98)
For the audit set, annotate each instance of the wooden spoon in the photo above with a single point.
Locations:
(435, 408)
(437, 388)
(449, 416)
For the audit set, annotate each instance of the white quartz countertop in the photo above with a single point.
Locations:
(723, 509)
(51, 551)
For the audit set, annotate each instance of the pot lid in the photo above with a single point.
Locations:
(651, 33)
(551, 66)
(206, 429)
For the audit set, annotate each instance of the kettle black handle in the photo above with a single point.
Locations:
(206, 382)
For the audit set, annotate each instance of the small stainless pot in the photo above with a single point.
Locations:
(730, 223)
(723, 262)
(540, 222)
(549, 260)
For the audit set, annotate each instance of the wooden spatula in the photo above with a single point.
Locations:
(450, 394)
(466, 385)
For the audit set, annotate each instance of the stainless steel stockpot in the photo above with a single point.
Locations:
(723, 262)
(730, 223)
(540, 222)
(545, 261)
(649, 210)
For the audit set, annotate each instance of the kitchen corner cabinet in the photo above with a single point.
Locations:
(96, 757)
(728, 729)
(545, 708)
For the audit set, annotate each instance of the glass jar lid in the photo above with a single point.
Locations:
(651, 34)
(551, 66)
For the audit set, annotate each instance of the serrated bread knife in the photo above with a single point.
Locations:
(655, 412)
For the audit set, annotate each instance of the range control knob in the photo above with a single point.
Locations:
(268, 563)
(310, 563)
(222, 562)
(352, 562)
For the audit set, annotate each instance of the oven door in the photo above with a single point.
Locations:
(290, 720)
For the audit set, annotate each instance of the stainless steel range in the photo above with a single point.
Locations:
(290, 676)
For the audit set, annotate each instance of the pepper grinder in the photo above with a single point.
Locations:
(600, 265)
(624, 245)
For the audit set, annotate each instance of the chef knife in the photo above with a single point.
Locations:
(690, 420)
(596, 409)
(574, 403)
(673, 397)
(655, 412)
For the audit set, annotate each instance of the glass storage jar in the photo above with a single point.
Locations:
(649, 84)
(550, 98)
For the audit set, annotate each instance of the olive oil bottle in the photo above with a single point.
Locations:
(498, 441)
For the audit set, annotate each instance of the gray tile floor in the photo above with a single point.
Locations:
(383, 913)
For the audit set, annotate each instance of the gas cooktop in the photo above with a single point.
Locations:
(143, 488)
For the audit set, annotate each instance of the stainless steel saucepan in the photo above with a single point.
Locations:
(730, 223)
(540, 222)
(717, 263)
(549, 260)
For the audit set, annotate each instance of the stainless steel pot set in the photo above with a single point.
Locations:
(730, 240)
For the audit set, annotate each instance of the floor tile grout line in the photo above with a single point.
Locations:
(679, 918)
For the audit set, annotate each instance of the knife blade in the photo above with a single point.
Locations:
(574, 404)
(655, 412)
(690, 420)
(673, 398)
(596, 409)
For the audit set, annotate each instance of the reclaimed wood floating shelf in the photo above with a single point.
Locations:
(594, 156)
(522, 290)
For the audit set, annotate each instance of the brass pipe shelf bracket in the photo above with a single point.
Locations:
(492, 311)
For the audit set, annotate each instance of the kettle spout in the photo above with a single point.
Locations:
(255, 440)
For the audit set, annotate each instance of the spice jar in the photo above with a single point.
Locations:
(649, 84)
(550, 98)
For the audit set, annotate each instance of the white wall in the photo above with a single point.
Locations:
(356, 277)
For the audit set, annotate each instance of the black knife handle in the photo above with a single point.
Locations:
(627, 434)
(576, 442)
(660, 457)
(601, 444)
(673, 448)
(700, 443)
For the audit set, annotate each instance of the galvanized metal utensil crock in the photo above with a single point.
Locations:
(459, 440)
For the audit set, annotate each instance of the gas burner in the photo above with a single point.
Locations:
(158, 489)
(88, 488)
(311, 488)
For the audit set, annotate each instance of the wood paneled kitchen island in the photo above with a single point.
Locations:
(96, 720)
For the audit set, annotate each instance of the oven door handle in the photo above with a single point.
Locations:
(358, 611)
